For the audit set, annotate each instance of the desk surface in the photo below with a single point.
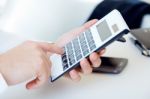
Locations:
(132, 83)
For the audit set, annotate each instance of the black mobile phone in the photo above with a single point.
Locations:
(111, 65)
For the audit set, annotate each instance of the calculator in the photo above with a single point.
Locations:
(97, 37)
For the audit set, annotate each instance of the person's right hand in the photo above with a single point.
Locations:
(26, 61)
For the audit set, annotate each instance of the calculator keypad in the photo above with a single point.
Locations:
(77, 49)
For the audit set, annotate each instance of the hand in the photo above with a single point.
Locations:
(26, 61)
(86, 64)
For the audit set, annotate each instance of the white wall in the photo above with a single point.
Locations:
(45, 19)
(2, 5)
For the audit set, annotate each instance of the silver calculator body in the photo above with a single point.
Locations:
(97, 37)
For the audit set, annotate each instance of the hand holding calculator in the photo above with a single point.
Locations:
(104, 32)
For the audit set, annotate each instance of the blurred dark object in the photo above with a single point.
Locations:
(122, 39)
(111, 65)
(125, 0)
(142, 40)
(132, 12)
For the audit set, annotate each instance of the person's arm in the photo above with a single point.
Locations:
(26, 61)
(7, 41)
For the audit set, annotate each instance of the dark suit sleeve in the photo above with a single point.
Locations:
(132, 12)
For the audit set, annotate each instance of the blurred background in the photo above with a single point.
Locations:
(44, 19)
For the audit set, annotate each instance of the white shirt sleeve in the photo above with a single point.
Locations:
(3, 84)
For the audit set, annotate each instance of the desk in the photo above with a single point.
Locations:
(132, 83)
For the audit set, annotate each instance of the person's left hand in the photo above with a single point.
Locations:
(86, 64)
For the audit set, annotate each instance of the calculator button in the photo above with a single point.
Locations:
(69, 46)
(70, 55)
(84, 48)
(88, 33)
(82, 42)
(77, 49)
(85, 52)
(65, 67)
(71, 59)
(79, 57)
(71, 62)
(91, 42)
(65, 62)
(92, 47)
(82, 37)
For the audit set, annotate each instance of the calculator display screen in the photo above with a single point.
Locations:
(104, 30)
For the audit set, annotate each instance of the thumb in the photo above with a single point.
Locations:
(42, 76)
(89, 24)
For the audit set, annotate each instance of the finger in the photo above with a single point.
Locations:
(67, 75)
(89, 24)
(78, 69)
(33, 84)
(95, 60)
(39, 81)
(74, 75)
(42, 76)
(51, 47)
(74, 33)
(85, 66)
(101, 52)
(83, 28)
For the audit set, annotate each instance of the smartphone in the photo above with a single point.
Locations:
(97, 37)
(111, 65)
